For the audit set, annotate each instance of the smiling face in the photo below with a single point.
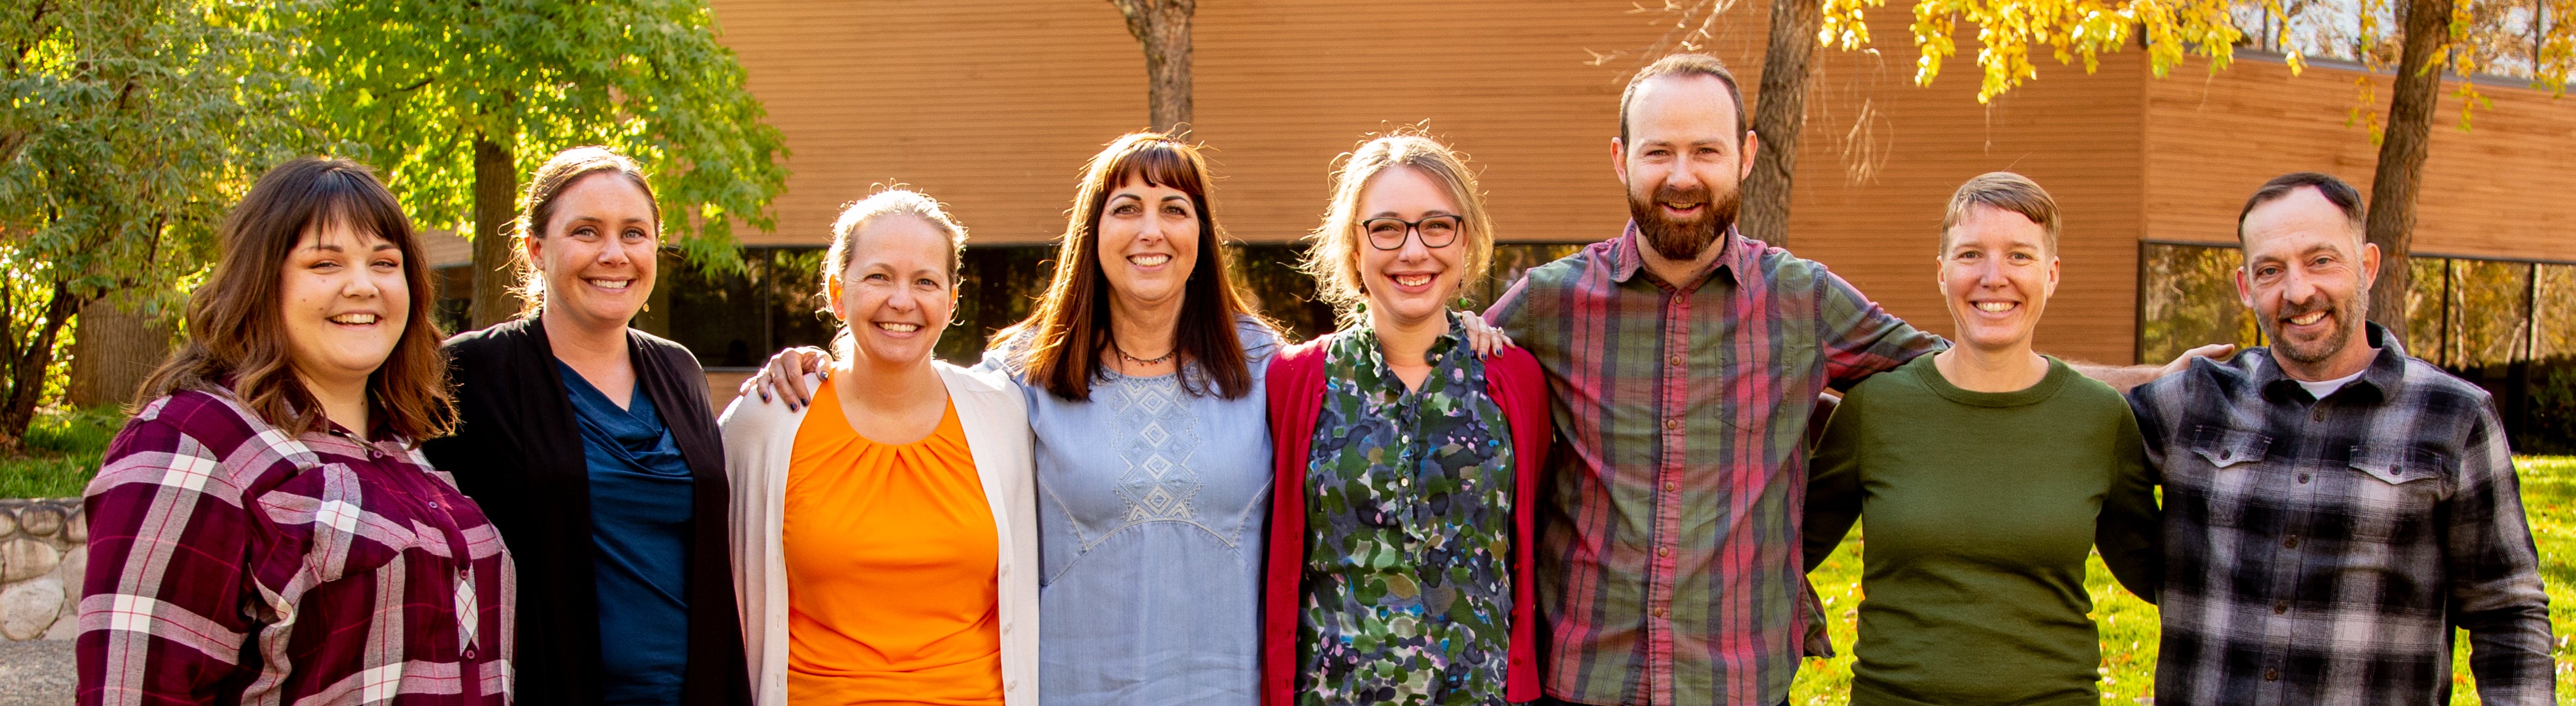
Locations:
(1413, 283)
(2307, 277)
(344, 302)
(1682, 163)
(1996, 275)
(1149, 242)
(597, 252)
(895, 297)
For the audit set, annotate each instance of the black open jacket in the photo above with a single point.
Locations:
(517, 451)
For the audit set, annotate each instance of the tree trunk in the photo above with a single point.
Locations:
(27, 373)
(1779, 118)
(113, 350)
(496, 190)
(2394, 183)
(1163, 27)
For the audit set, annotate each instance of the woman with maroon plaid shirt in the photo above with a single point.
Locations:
(265, 529)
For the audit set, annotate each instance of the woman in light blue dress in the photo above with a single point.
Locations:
(1144, 378)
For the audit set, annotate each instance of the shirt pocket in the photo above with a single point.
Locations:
(345, 529)
(2394, 487)
(2224, 469)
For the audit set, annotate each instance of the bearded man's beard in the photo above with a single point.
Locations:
(1684, 239)
(2349, 312)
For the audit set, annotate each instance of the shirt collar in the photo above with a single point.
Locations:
(1627, 258)
(2387, 369)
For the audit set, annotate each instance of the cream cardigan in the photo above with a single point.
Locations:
(758, 439)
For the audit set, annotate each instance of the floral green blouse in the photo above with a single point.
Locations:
(1407, 594)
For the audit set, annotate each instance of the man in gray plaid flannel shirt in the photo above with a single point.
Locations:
(2333, 507)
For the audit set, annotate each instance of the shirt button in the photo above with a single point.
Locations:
(2281, 607)
(2292, 542)
(1670, 486)
(1675, 359)
(1659, 612)
(469, 653)
(1663, 551)
(1673, 423)
(2271, 675)
(2303, 477)
(2319, 415)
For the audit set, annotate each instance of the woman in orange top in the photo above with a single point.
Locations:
(885, 535)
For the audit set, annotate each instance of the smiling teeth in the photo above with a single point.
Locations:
(2307, 318)
(354, 319)
(1996, 307)
(611, 283)
(1150, 260)
(1412, 280)
(900, 328)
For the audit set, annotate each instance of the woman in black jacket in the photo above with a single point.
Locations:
(592, 448)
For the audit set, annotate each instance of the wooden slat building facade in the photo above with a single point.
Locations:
(993, 106)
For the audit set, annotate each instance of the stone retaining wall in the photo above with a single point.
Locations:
(44, 548)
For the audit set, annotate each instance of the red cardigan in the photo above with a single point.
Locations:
(1296, 388)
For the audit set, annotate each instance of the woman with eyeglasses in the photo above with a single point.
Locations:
(1402, 515)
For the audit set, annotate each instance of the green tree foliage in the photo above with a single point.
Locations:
(456, 98)
(131, 126)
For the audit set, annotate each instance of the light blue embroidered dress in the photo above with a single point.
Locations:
(1151, 504)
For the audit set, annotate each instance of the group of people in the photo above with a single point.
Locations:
(1606, 489)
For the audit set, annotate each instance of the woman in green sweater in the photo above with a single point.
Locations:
(1986, 471)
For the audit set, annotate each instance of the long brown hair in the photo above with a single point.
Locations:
(237, 340)
(537, 210)
(1069, 329)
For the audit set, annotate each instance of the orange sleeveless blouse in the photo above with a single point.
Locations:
(891, 553)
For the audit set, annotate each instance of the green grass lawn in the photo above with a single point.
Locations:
(2129, 625)
(63, 448)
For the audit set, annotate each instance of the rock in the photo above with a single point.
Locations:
(24, 558)
(67, 626)
(76, 527)
(8, 522)
(28, 609)
(40, 520)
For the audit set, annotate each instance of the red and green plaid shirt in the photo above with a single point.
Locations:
(1669, 563)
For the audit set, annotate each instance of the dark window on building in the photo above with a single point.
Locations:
(454, 306)
(737, 319)
(2509, 326)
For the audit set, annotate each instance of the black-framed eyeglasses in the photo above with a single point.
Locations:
(1389, 233)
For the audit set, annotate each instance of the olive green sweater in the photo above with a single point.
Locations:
(1981, 509)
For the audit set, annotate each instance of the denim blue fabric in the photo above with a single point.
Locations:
(1151, 503)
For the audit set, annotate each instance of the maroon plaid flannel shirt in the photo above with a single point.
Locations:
(231, 562)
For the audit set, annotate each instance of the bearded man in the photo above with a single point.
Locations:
(1686, 362)
(2334, 507)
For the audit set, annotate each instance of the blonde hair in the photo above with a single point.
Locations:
(2003, 191)
(1333, 257)
(537, 208)
(890, 202)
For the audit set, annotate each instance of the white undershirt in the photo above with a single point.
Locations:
(2321, 388)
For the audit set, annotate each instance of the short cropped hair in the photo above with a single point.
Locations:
(2342, 195)
(1685, 65)
(2004, 191)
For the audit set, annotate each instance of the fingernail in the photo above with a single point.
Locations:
(764, 397)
